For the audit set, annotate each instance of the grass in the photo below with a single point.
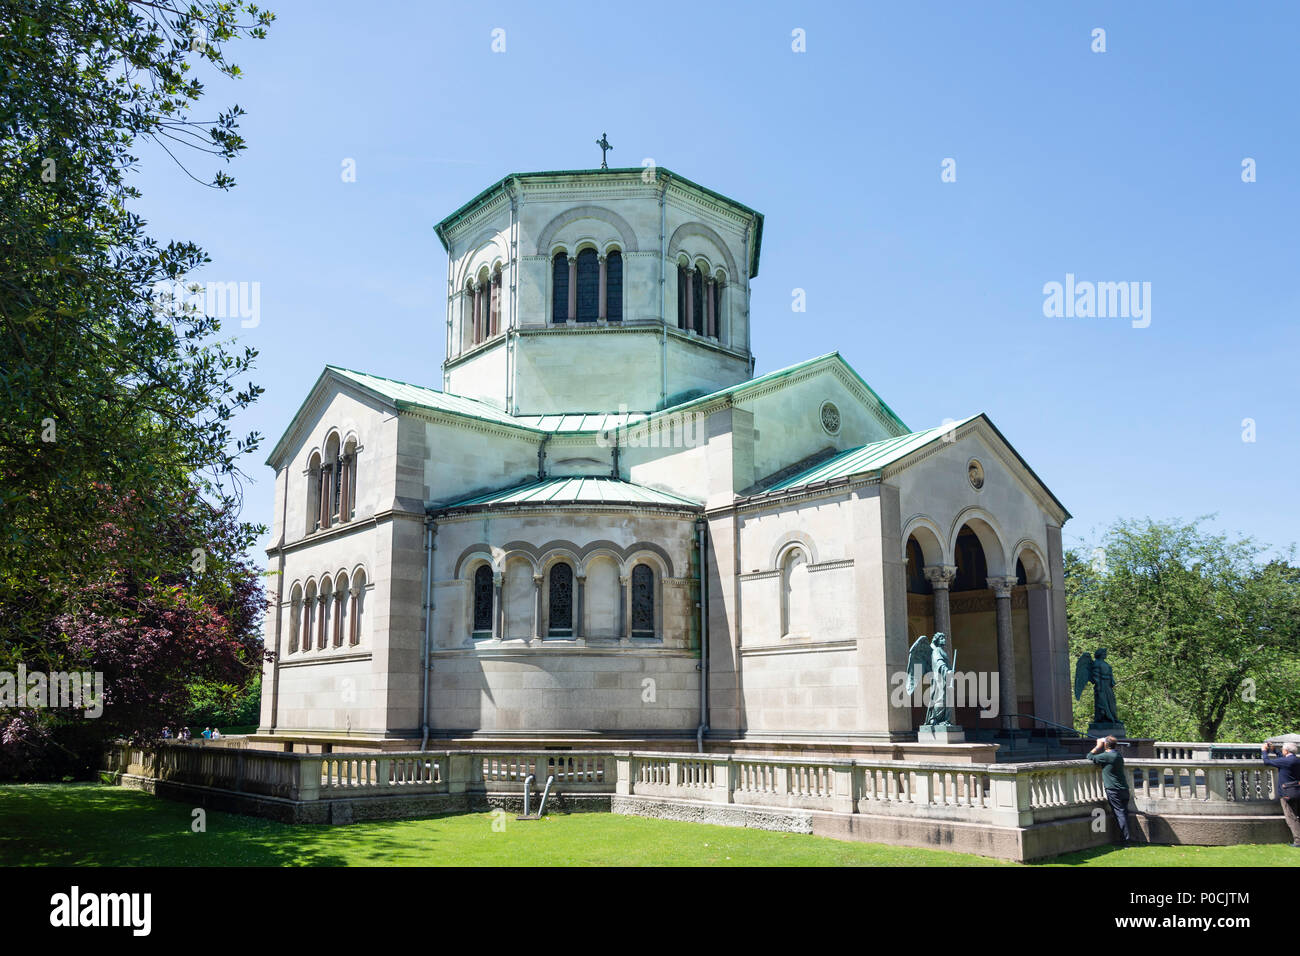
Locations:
(97, 825)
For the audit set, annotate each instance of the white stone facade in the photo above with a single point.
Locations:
(516, 555)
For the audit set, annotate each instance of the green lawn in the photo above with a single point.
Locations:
(95, 825)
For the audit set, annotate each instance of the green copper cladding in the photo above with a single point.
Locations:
(585, 490)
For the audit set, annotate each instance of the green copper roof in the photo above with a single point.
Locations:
(577, 490)
(582, 421)
(866, 458)
(660, 173)
(768, 377)
(420, 396)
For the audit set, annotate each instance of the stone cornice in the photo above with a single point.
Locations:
(770, 501)
(797, 647)
(323, 657)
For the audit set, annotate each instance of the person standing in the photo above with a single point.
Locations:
(1288, 784)
(1113, 778)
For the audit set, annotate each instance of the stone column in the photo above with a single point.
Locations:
(624, 604)
(941, 577)
(580, 589)
(603, 314)
(494, 305)
(710, 319)
(498, 630)
(1039, 599)
(478, 310)
(1007, 702)
(573, 288)
(537, 607)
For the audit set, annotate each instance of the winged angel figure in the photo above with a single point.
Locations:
(930, 655)
(1097, 673)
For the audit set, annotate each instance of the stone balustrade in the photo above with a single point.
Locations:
(998, 795)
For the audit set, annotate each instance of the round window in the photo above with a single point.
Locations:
(830, 418)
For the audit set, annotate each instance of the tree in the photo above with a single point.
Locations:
(1204, 634)
(117, 461)
(100, 382)
(154, 638)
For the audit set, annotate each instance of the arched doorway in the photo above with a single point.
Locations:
(994, 682)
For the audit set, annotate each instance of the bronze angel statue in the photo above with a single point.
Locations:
(930, 655)
(1095, 671)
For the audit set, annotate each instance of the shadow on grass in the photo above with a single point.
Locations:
(96, 825)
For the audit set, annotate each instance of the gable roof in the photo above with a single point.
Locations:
(403, 395)
(740, 389)
(560, 490)
(874, 458)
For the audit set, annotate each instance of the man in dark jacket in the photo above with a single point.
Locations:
(1288, 785)
(1106, 755)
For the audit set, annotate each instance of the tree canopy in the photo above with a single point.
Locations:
(1203, 630)
(118, 465)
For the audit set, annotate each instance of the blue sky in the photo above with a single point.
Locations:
(1117, 166)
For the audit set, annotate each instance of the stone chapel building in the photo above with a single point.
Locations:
(603, 527)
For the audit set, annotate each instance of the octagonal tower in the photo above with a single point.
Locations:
(598, 290)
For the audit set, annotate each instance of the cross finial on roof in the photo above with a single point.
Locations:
(605, 147)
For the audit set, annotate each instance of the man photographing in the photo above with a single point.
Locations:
(1288, 784)
(1107, 756)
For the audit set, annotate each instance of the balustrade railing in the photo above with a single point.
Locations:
(1000, 794)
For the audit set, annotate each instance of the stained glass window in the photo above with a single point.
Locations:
(560, 286)
(483, 598)
(561, 609)
(614, 287)
(643, 601)
(588, 286)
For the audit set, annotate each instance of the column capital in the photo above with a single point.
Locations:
(940, 575)
(497, 578)
(1002, 586)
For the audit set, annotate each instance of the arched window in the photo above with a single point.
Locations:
(560, 622)
(614, 286)
(295, 618)
(796, 610)
(357, 602)
(313, 493)
(643, 601)
(308, 615)
(329, 485)
(715, 289)
(560, 288)
(348, 481)
(341, 609)
(683, 297)
(326, 615)
(697, 300)
(483, 599)
(588, 286)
